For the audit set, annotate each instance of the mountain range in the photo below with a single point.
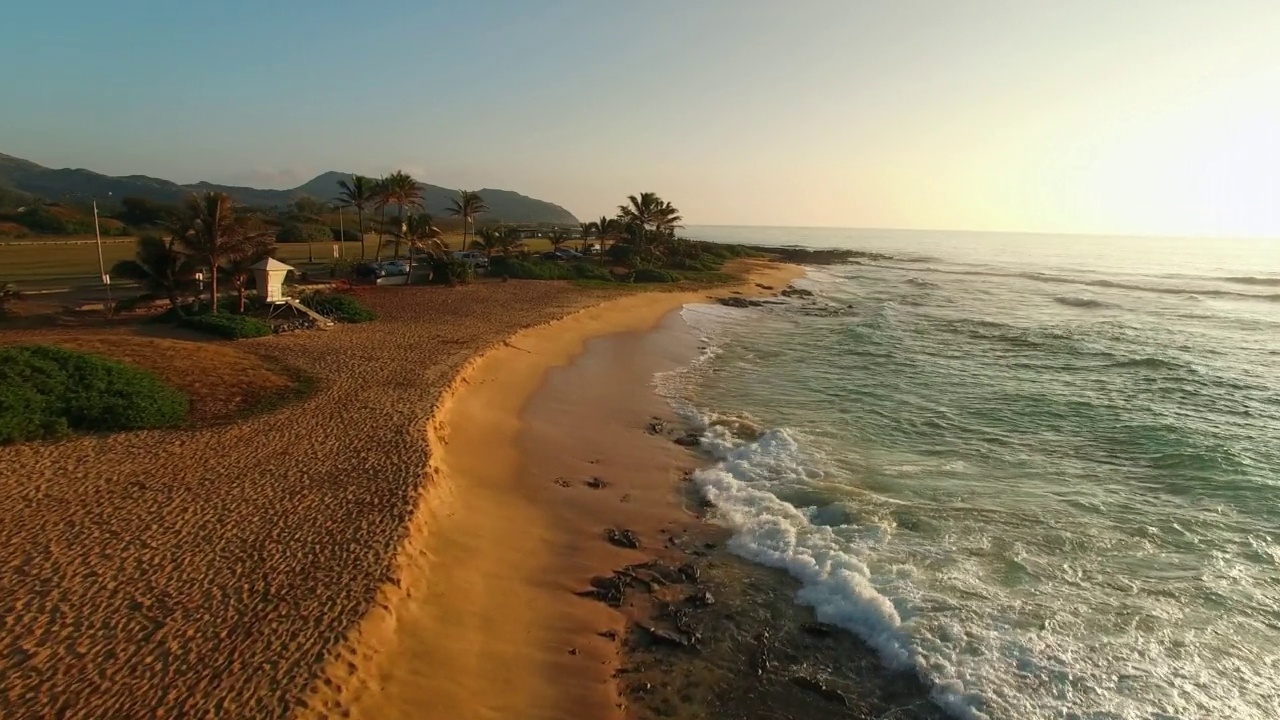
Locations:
(56, 184)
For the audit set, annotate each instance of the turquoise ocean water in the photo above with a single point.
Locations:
(1044, 471)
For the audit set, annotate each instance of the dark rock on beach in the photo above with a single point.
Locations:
(689, 440)
(819, 688)
(623, 538)
(795, 292)
(739, 302)
(819, 629)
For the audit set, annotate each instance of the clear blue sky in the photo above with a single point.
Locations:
(1145, 116)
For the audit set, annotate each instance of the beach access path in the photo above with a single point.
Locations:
(210, 572)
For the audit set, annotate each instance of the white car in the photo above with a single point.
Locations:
(394, 267)
(472, 258)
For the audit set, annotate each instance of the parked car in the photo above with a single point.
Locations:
(569, 255)
(474, 259)
(394, 267)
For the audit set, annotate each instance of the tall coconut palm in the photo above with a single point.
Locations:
(467, 206)
(160, 268)
(420, 232)
(406, 193)
(382, 197)
(605, 230)
(358, 193)
(644, 210)
(211, 232)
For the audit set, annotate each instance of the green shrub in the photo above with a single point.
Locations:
(342, 268)
(447, 271)
(342, 308)
(654, 275)
(526, 270)
(303, 233)
(344, 235)
(232, 327)
(590, 271)
(47, 391)
(541, 270)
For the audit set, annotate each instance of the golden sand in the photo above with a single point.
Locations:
(209, 572)
(481, 621)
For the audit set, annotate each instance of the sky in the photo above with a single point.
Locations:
(1119, 117)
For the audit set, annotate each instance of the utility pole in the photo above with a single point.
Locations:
(102, 267)
(342, 236)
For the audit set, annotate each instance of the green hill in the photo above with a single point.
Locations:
(24, 176)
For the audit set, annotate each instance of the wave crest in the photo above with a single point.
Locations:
(1078, 301)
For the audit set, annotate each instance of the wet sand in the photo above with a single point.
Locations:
(210, 572)
(483, 621)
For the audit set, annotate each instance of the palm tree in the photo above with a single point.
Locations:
(557, 238)
(487, 240)
(497, 240)
(210, 231)
(160, 268)
(645, 216)
(605, 230)
(467, 206)
(406, 193)
(644, 210)
(381, 199)
(420, 232)
(240, 267)
(357, 193)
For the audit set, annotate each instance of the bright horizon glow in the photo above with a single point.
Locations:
(1147, 117)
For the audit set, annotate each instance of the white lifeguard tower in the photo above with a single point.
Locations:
(269, 274)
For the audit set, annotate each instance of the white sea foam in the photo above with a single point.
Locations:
(835, 582)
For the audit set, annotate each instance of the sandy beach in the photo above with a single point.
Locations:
(484, 622)
(209, 572)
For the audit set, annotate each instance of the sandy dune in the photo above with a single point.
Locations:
(208, 573)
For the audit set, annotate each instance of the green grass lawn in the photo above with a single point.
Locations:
(73, 261)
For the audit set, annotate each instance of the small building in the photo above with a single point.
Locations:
(269, 275)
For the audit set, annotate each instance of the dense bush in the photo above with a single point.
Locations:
(303, 233)
(344, 235)
(653, 275)
(623, 253)
(589, 271)
(232, 327)
(48, 391)
(342, 308)
(448, 271)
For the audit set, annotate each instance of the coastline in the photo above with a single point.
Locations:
(479, 617)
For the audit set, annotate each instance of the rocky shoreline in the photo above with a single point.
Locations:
(710, 635)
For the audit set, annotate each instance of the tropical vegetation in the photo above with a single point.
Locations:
(467, 206)
(231, 327)
(48, 392)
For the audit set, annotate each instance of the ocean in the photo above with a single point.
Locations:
(1041, 471)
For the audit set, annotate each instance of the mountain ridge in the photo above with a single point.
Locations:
(32, 178)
